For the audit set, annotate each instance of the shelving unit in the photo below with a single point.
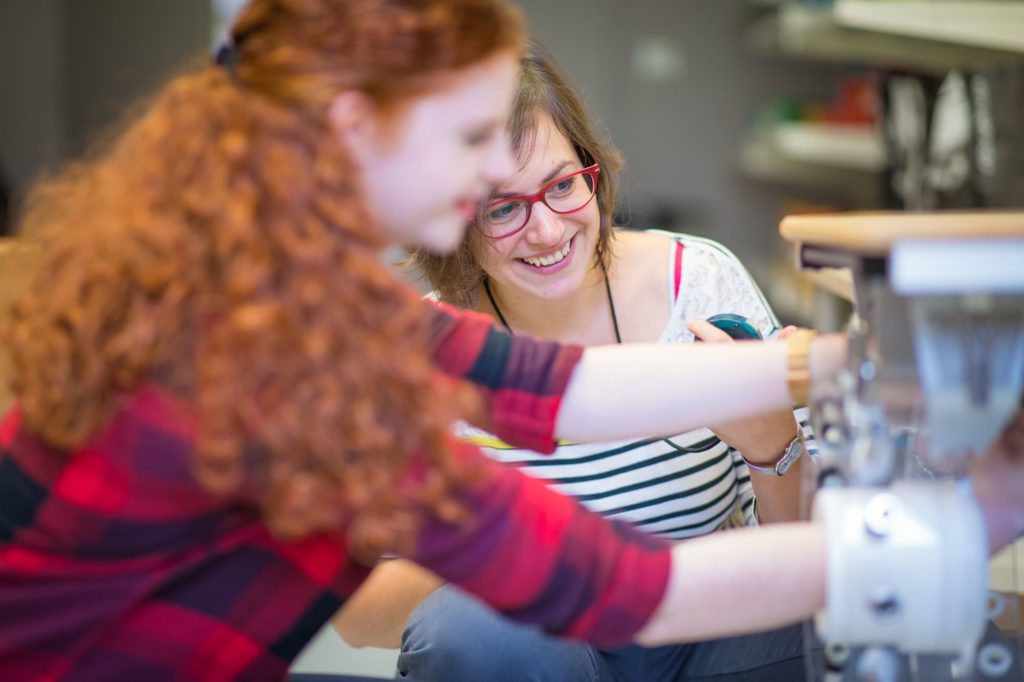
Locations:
(987, 25)
(839, 161)
(890, 34)
(858, 148)
(927, 36)
(845, 167)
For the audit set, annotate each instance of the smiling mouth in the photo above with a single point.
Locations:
(550, 259)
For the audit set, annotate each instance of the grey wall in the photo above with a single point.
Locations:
(68, 68)
(680, 137)
(121, 50)
(33, 132)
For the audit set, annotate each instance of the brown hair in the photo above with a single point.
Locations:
(220, 248)
(543, 88)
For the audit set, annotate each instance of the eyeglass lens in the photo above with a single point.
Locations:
(562, 196)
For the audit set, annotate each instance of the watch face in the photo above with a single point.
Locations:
(793, 452)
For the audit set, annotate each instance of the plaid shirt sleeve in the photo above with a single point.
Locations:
(540, 557)
(522, 379)
(116, 564)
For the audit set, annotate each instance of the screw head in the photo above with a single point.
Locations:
(884, 602)
(880, 515)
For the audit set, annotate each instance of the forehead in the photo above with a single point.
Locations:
(543, 149)
(476, 94)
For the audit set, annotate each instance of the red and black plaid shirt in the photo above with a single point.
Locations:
(116, 564)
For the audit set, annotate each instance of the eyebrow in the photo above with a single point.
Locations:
(555, 172)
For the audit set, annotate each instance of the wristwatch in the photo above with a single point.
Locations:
(790, 455)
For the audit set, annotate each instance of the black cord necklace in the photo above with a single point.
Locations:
(618, 339)
(607, 289)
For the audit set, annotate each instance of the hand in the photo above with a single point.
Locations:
(762, 439)
(828, 356)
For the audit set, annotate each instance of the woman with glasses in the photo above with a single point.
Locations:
(545, 260)
(227, 405)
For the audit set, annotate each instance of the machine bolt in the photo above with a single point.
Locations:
(880, 515)
(994, 660)
(995, 605)
(884, 602)
(878, 665)
(837, 656)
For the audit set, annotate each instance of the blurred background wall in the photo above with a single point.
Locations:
(729, 112)
(669, 79)
(68, 68)
(677, 91)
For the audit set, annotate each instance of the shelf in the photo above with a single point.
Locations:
(843, 146)
(809, 32)
(989, 25)
(874, 233)
(837, 281)
(789, 156)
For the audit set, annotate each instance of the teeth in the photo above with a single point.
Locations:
(550, 259)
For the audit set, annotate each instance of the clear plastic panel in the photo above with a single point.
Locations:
(970, 363)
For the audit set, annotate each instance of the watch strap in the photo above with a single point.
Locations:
(790, 455)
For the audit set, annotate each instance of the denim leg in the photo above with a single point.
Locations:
(451, 637)
(773, 656)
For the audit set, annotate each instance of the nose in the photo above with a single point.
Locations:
(500, 162)
(544, 226)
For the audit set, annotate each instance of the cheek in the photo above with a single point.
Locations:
(423, 175)
(468, 168)
(492, 256)
(421, 196)
(592, 216)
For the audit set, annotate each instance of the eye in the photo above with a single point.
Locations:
(504, 212)
(478, 137)
(562, 187)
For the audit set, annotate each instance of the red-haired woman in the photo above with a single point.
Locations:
(227, 405)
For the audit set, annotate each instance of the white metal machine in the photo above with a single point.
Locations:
(934, 374)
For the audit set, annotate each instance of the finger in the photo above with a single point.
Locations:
(786, 332)
(705, 331)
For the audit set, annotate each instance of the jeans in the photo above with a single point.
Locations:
(451, 637)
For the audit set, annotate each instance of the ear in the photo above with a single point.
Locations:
(352, 116)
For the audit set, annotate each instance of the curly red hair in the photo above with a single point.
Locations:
(221, 249)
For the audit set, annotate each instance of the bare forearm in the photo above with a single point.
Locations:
(740, 581)
(377, 613)
(764, 441)
(640, 390)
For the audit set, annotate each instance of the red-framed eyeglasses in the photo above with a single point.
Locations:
(506, 216)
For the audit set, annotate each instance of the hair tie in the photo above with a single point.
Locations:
(226, 57)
